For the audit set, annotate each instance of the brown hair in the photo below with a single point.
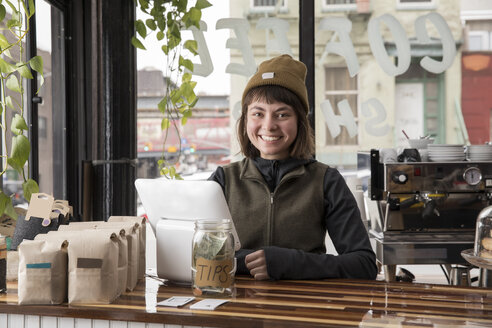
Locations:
(303, 145)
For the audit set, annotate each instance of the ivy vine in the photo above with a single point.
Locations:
(14, 68)
(166, 19)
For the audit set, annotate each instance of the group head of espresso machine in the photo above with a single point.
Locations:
(427, 211)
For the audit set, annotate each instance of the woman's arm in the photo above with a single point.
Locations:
(356, 258)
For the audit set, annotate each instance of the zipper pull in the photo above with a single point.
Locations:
(271, 198)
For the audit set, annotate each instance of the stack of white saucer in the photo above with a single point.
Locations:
(446, 153)
(477, 153)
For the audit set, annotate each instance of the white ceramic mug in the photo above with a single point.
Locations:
(388, 155)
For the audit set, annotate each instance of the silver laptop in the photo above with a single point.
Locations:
(172, 207)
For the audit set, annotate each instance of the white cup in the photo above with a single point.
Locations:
(388, 155)
(424, 155)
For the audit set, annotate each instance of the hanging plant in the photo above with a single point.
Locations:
(166, 20)
(14, 69)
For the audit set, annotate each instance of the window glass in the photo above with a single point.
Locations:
(51, 106)
(380, 67)
(50, 101)
(390, 84)
(237, 37)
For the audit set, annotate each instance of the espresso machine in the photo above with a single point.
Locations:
(427, 211)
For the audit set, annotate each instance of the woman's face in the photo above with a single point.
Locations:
(271, 128)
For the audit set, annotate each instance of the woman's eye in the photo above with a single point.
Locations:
(283, 115)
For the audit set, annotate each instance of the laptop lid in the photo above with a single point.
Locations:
(186, 200)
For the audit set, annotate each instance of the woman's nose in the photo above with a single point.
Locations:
(269, 123)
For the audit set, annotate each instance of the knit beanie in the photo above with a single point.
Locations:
(283, 71)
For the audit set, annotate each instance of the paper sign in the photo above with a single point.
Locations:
(176, 301)
(40, 206)
(210, 273)
(208, 304)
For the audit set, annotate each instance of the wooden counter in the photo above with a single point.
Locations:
(327, 303)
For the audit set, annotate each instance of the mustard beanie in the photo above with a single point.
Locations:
(283, 71)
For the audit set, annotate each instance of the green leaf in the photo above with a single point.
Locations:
(15, 20)
(188, 64)
(20, 150)
(13, 84)
(32, 9)
(186, 77)
(9, 210)
(3, 202)
(181, 5)
(24, 71)
(175, 31)
(200, 4)
(9, 103)
(162, 105)
(176, 95)
(193, 103)
(165, 49)
(161, 23)
(29, 187)
(6, 67)
(144, 4)
(159, 36)
(36, 64)
(192, 46)
(151, 24)
(2, 12)
(165, 124)
(141, 29)
(14, 165)
(184, 119)
(6, 206)
(137, 44)
(4, 43)
(195, 16)
(18, 124)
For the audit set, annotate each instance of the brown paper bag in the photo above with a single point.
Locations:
(131, 234)
(122, 251)
(92, 265)
(142, 239)
(42, 271)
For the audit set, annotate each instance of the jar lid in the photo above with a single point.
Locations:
(213, 224)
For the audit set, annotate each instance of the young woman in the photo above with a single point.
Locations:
(283, 201)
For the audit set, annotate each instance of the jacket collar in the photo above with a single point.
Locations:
(273, 171)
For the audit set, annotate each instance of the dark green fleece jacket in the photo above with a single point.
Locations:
(285, 208)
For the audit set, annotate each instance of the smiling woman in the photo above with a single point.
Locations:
(279, 194)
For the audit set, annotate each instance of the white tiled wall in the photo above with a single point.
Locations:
(33, 321)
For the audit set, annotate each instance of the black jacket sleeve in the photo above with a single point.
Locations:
(355, 258)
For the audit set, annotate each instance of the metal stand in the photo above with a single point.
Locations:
(460, 276)
(485, 278)
(389, 272)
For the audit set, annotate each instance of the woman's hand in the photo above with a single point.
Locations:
(256, 264)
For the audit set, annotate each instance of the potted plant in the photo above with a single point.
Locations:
(165, 21)
(14, 70)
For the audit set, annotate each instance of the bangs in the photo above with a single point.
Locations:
(274, 93)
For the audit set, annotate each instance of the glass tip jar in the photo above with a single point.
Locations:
(213, 262)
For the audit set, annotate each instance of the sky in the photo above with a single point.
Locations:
(218, 82)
